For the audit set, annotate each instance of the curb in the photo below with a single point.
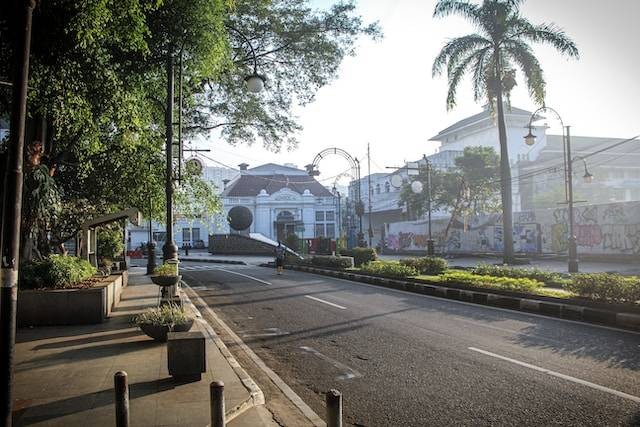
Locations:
(215, 261)
(552, 309)
(256, 397)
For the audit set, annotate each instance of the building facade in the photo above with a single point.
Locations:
(283, 200)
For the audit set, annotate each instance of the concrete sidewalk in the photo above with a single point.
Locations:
(64, 375)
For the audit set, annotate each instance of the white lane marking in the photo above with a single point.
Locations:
(489, 307)
(559, 375)
(326, 302)
(348, 372)
(264, 282)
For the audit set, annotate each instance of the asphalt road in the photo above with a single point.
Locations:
(402, 359)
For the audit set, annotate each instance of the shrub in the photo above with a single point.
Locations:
(166, 269)
(609, 287)
(548, 277)
(431, 266)
(360, 255)
(392, 269)
(292, 242)
(110, 243)
(165, 315)
(504, 283)
(332, 261)
(57, 271)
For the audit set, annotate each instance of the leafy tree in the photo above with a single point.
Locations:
(298, 49)
(490, 56)
(469, 188)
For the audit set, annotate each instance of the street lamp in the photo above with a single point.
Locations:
(530, 139)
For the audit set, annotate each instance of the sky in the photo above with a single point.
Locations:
(386, 96)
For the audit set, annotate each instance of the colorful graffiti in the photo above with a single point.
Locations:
(600, 229)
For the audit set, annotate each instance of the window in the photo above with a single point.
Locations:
(195, 234)
(319, 216)
(377, 188)
(186, 235)
(319, 230)
(331, 231)
(387, 187)
(330, 215)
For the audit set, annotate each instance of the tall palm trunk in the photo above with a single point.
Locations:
(505, 172)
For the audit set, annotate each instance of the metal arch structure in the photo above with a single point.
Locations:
(312, 170)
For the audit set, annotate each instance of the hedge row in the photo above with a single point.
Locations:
(360, 256)
(548, 277)
(504, 283)
(393, 269)
(607, 287)
(431, 266)
(341, 262)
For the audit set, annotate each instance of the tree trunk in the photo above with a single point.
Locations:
(505, 176)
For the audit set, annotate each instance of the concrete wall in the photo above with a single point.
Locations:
(608, 229)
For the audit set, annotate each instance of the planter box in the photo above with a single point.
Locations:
(50, 307)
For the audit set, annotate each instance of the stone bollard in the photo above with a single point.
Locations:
(216, 396)
(121, 387)
(334, 408)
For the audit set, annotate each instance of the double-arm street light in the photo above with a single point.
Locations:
(255, 83)
(530, 139)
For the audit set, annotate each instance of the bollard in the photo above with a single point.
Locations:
(121, 387)
(334, 408)
(216, 395)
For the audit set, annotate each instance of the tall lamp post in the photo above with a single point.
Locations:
(530, 139)
(255, 83)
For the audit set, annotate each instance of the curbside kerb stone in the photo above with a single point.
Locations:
(551, 309)
(628, 320)
(572, 312)
(599, 316)
(503, 301)
(529, 305)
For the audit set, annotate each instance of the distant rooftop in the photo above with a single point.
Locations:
(486, 114)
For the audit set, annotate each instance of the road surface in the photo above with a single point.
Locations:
(413, 360)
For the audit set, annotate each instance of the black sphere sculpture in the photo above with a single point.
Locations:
(240, 218)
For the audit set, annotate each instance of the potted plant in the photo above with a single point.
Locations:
(158, 322)
(166, 275)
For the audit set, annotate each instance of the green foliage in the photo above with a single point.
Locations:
(165, 315)
(492, 54)
(547, 277)
(426, 265)
(56, 272)
(610, 287)
(393, 269)
(360, 255)
(166, 269)
(196, 198)
(503, 283)
(341, 262)
(110, 244)
(469, 189)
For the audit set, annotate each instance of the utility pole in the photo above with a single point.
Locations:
(573, 241)
(370, 191)
(430, 248)
(12, 211)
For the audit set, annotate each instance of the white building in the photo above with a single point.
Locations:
(194, 233)
(284, 200)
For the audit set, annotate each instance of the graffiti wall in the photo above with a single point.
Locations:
(600, 229)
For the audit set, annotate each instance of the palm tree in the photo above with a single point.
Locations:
(490, 56)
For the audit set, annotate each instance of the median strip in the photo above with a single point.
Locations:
(559, 375)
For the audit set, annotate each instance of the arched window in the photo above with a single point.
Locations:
(377, 188)
(387, 187)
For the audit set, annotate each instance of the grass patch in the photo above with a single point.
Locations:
(555, 293)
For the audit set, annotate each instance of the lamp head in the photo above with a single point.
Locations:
(588, 177)
(255, 82)
(530, 138)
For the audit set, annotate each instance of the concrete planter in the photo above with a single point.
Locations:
(159, 332)
(166, 281)
(49, 307)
